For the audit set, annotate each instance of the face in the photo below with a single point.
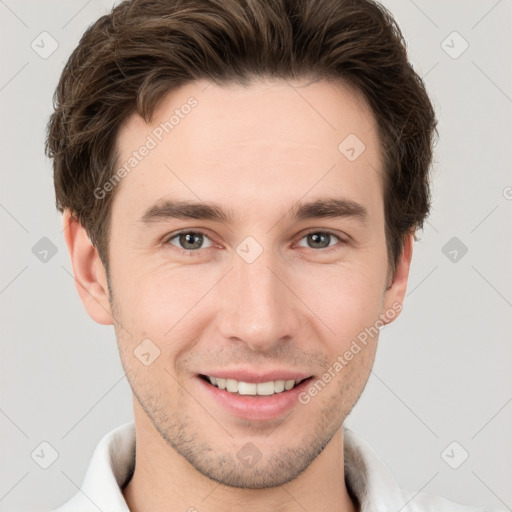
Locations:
(265, 280)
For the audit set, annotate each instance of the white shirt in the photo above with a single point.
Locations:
(113, 463)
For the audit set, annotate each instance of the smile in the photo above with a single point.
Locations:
(252, 388)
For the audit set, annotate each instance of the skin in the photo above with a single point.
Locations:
(254, 150)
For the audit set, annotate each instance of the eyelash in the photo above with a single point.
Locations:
(198, 252)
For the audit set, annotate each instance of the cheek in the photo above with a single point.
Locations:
(154, 297)
(346, 298)
(164, 305)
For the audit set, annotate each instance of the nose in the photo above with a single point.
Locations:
(256, 306)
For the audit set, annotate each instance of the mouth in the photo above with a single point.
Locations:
(254, 389)
(254, 396)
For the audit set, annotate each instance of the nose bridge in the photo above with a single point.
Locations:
(256, 305)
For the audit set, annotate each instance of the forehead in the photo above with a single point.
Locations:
(269, 141)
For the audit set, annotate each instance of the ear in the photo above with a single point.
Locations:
(88, 269)
(395, 293)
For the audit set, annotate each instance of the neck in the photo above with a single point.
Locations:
(163, 480)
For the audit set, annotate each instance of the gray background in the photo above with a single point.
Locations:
(443, 370)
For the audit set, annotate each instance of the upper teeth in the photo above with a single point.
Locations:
(252, 388)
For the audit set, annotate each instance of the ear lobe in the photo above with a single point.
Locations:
(395, 293)
(88, 270)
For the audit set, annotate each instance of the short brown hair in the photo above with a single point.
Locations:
(127, 61)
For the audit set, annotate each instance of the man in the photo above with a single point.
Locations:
(241, 183)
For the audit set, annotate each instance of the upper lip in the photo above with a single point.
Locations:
(255, 377)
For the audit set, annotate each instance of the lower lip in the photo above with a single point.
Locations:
(257, 408)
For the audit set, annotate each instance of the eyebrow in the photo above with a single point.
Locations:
(320, 208)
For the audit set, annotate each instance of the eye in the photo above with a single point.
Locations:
(193, 241)
(321, 240)
(189, 240)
